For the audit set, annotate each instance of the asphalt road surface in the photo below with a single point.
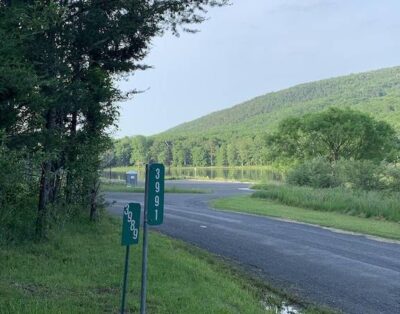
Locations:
(351, 273)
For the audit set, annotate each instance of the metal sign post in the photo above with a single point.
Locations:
(125, 279)
(130, 235)
(144, 250)
(153, 215)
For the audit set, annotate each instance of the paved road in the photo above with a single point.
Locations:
(347, 272)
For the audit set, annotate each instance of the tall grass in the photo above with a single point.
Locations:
(367, 204)
(79, 270)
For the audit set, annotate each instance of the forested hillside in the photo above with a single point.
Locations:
(237, 136)
(375, 92)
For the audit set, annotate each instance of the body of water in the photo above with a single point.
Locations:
(230, 174)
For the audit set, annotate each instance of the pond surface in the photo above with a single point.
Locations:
(230, 174)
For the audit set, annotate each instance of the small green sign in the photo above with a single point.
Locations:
(155, 194)
(130, 224)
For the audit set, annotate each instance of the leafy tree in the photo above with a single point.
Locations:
(212, 145)
(333, 134)
(244, 151)
(161, 151)
(221, 157)
(199, 156)
(259, 150)
(232, 155)
(140, 147)
(180, 154)
(17, 193)
(123, 151)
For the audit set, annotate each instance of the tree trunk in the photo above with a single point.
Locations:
(92, 129)
(93, 201)
(41, 222)
(44, 188)
(71, 157)
(56, 180)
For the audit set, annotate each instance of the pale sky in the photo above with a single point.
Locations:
(254, 47)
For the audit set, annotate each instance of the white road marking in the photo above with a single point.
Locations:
(212, 215)
(246, 189)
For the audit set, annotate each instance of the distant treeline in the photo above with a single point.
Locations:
(187, 151)
(240, 135)
(333, 134)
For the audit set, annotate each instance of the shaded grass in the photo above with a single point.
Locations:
(116, 187)
(80, 271)
(378, 204)
(248, 204)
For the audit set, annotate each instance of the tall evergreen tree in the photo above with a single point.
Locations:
(68, 53)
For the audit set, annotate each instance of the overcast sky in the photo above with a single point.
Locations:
(254, 47)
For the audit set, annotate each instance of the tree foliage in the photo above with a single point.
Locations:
(333, 134)
(58, 64)
(247, 126)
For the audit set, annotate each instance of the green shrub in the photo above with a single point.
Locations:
(360, 174)
(17, 198)
(391, 178)
(318, 173)
(355, 174)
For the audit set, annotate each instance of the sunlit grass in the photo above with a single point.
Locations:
(265, 207)
(377, 204)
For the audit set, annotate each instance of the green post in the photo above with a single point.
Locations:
(125, 279)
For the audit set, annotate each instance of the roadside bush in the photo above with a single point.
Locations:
(318, 173)
(360, 174)
(19, 184)
(391, 178)
(17, 198)
(355, 174)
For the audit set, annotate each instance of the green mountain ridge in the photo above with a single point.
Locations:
(237, 136)
(375, 92)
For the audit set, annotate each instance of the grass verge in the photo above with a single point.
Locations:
(80, 271)
(114, 187)
(248, 204)
(378, 204)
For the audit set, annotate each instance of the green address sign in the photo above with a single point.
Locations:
(130, 224)
(155, 194)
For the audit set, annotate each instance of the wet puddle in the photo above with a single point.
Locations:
(282, 308)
